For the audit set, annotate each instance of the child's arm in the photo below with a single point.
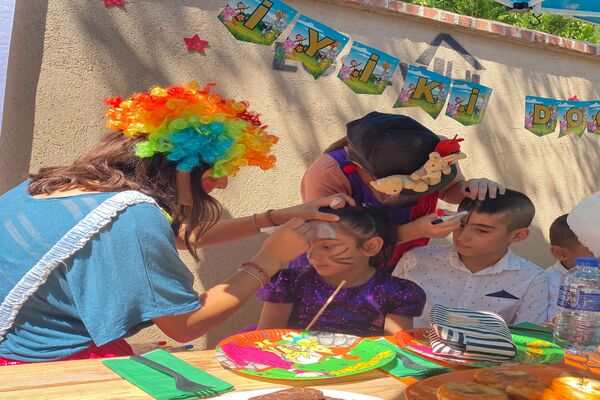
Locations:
(275, 315)
(396, 323)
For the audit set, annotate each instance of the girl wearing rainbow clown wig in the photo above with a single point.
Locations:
(89, 251)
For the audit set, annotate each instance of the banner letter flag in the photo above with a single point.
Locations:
(257, 21)
(467, 102)
(367, 70)
(593, 117)
(541, 115)
(571, 115)
(314, 44)
(425, 89)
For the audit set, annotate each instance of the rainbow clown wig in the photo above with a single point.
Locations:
(194, 127)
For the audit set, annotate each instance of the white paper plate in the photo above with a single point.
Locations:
(327, 392)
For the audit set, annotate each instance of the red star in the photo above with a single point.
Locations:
(110, 3)
(194, 43)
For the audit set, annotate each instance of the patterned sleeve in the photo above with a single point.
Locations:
(534, 304)
(281, 288)
(401, 297)
(408, 261)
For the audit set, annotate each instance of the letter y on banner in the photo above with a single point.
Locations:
(314, 44)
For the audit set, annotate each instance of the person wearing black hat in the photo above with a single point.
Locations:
(389, 148)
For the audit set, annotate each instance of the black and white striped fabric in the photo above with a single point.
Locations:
(477, 335)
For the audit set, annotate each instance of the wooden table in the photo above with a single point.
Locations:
(90, 379)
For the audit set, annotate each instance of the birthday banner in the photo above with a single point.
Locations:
(314, 44)
(467, 102)
(573, 117)
(257, 21)
(365, 70)
(425, 89)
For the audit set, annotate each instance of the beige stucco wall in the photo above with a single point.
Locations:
(68, 55)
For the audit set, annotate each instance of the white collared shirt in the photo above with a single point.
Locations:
(555, 273)
(514, 287)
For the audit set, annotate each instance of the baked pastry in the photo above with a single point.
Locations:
(576, 388)
(501, 378)
(297, 393)
(527, 391)
(469, 391)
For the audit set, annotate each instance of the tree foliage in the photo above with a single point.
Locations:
(489, 9)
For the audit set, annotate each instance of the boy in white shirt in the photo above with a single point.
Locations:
(479, 271)
(565, 248)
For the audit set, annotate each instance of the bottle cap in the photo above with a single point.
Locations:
(587, 262)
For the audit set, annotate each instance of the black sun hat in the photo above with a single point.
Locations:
(391, 144)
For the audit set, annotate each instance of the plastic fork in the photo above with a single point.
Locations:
(181, 382)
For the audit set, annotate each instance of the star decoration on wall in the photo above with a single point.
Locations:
(195, 43)
(110, 3)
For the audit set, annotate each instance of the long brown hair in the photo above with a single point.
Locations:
(338, 144)
(113, 167)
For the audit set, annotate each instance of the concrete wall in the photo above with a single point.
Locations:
(68, 55)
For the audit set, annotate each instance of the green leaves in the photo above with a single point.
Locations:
(489, 9)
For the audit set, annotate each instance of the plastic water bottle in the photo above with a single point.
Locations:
(577, 324)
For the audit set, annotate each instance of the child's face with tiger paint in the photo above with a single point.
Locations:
(335, 252)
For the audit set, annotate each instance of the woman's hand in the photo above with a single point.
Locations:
(282, 246)
(479, 188)
(423, 227)
(309, 211)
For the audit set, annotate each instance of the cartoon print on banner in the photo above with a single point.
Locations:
(257, 21)
(367, 70)
(468, 102)
(572, 117)
(314, 44)
(425, 89)
(593, 117)
(541, 115)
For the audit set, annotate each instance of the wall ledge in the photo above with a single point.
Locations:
(477, 25)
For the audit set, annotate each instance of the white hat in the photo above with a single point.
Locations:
(584, 221)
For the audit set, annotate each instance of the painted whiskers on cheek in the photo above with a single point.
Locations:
(338, 257)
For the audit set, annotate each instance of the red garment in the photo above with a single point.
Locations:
(118, 348)
(426, 205)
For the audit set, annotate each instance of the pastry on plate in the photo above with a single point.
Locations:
(529, 391)
(576, 388)
(469, 391)
(501, 378)
(297, 393)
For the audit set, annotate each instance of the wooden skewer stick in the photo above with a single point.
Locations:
(329, 300)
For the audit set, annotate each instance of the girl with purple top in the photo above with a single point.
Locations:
(355, 249)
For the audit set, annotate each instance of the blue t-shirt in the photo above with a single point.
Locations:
(126, 275)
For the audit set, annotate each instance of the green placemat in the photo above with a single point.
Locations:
(408, 364)
(162, 386)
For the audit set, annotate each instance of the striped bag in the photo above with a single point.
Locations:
(477, 335)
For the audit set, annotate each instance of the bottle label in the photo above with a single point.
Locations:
(578, 300)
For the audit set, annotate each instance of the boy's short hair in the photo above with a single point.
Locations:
(561, 233)
(517, 208)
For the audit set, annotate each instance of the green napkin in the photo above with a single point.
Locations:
(531, 330)
(162, 386)
(408, 364)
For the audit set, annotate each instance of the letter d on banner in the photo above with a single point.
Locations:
(540, 115)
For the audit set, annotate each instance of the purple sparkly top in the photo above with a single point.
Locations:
(358, 310)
